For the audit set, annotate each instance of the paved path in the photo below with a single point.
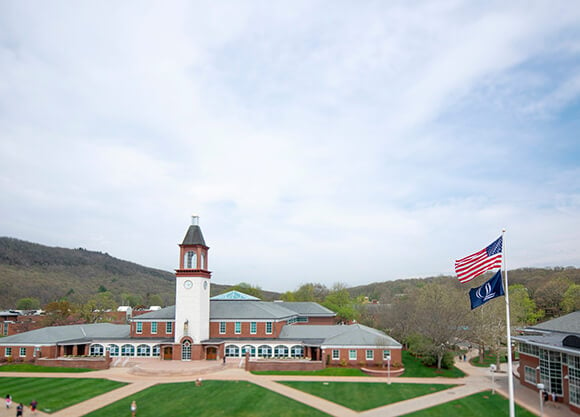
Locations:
(143, 374)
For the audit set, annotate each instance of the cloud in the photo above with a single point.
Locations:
(355, 143)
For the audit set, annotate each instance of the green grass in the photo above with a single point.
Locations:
(361, 396)
(482, 404)
(212, 399)
(322, 372)
(415, 369)
(488, 359)
(54, 394)
(28, 367)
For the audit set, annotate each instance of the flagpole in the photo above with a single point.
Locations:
(509, 338)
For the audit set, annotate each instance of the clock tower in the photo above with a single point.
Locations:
(192, 282)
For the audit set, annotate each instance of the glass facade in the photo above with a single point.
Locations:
(551, 370)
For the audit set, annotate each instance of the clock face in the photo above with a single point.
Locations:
(205, 285)
(188, 284)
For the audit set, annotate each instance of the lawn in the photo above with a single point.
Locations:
(488, 359)
(415, 369)
(212, 399)
(28, 367)
(482, 404)
(361, 396)
(322, 372)
(54, 394)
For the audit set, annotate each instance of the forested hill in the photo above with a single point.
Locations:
(547, 287)
(51, 273)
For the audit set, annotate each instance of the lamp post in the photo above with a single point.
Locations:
(541, 392)
(492, 369)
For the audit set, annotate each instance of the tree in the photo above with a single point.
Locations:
(439, 316)
(523, 310)
(340, 301)
(28, 303)
(571, 300)
(311, 292)
(59, 313)
(92, 311)
(248, 289)
(550, 295)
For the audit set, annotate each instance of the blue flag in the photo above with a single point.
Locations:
(488, 291)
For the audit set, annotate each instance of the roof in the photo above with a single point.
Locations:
(337, 335)
(194, 236)
(62, 334)
(552, 341)
(248, 309)
(307, 308)
(570, 323)
(234, 295)
(167, 313)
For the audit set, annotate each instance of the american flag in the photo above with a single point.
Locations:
(476, 264)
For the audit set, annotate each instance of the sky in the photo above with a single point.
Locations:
(319, 141)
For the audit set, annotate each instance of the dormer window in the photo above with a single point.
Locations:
(190, 260)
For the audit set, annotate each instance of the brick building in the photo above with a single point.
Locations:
(197, 327)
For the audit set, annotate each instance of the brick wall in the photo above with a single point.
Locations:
(89, 363)
(267, 365)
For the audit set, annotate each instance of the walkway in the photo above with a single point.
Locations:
(143, 374)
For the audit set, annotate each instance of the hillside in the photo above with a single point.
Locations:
(50, 273)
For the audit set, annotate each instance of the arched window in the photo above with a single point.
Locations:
(186, 351)
(232, 351)
(156, 350)
(265, 351)
(143, 350)
(249, 348)
(296, 351)
(114, 350)
(190, 260)
(127, 350)
(281, 351)
(203, 265)
(97, 350)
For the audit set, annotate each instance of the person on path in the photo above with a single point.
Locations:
(33, 405)
(8, 401)
(19, 409)
(133, 408)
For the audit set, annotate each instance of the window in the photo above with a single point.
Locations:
(139, 327)
(232, 351)
(186, 351)
(143, 350)
(530, 374)
(5, 330)
(154, 327)
(296, 351)
(22, 352)
(238, 327)
(352, 355)
(335, 354)
(551, 371)
(8, 351)
(264, 351)
(250, 349)
(155, 350)
(190, 260)
(97, 350)
(253, 327)
(114, 350)
(127, 350)
(268, 327)
(574, 379)
(281, 351)
(222, 327)
(169, 327)
(370, 355)
(386, 354)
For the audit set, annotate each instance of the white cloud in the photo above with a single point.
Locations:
(351, 143)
